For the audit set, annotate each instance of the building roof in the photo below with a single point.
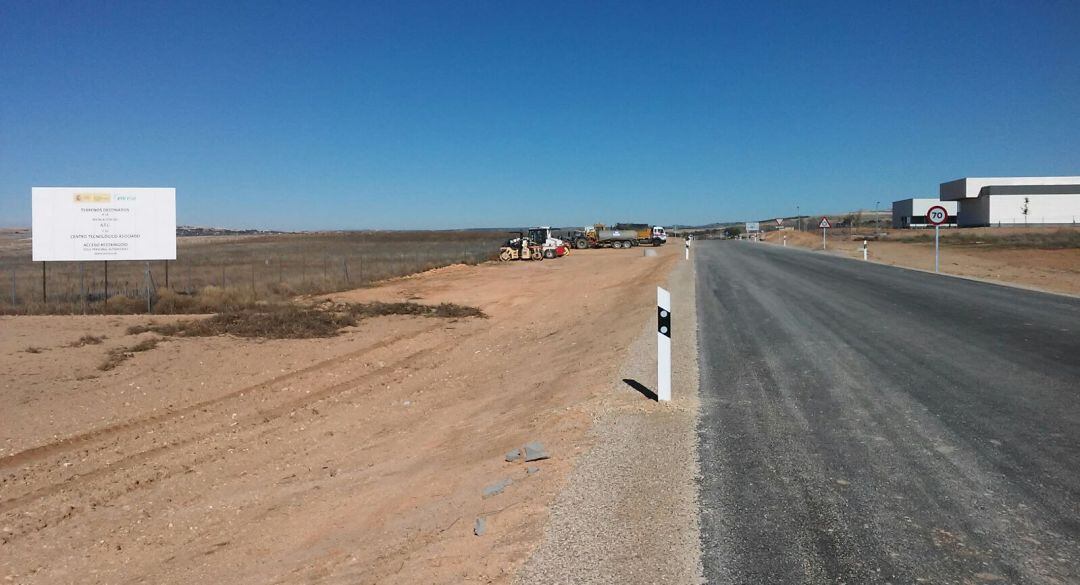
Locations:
(972, 187)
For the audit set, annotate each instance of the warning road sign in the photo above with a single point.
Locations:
(779, 221)
(824, 223)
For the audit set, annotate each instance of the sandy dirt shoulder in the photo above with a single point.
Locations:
(356, 459)
(629, 512)
(1049, 270)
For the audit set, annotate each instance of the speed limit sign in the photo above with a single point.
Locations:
(937, 215)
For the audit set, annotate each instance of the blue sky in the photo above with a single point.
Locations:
(459, 114)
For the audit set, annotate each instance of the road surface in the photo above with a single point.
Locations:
(868, 424)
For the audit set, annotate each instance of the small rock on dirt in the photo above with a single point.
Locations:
(532, 469)
(535, 451)
(497, 487)
(479, 527)
(513, 455)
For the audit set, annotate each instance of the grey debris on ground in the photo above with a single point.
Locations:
(513, 455)
(535, 451)
(531, 469)
(497, 487)
(480, 526)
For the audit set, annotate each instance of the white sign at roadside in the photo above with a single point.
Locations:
(753, 226)
(103, 223)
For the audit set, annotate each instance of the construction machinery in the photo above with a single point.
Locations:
(645, 234)
(553, 247)
(521, 248)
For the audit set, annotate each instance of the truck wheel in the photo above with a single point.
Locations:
(581, 244)
(549, 254)
(616, 245)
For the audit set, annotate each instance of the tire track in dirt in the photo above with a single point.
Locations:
(68, 443)
(217, 447)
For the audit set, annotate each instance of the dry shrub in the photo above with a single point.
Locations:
(1011, 238)
(117, 356)
(87, 340)
(33, 349)
(292, 321)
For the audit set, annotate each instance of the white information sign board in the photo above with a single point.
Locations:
(103, 223)
(753, 226)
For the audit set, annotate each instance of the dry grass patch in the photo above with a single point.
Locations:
(293, 321)
(87, 340)
(117, 356)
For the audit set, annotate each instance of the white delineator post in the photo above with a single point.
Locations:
(687, 247)
(663, 345)
(864, 250)
(785, 241)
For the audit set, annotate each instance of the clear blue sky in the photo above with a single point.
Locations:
(456, 114)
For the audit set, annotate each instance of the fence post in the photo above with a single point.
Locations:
(166, 274)
(345, 265)
(44, 296)
(106, 283)
(253, 294)
(82, 286)
(13, 285)
(146, 278)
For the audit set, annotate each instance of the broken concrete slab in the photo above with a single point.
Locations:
(531, 469)
(497, 487)
(480, 526)
(535, 451)
(513, 455)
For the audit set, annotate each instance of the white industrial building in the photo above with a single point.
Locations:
(908, 213)
(1014, 200)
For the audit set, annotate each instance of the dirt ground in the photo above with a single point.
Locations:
(355, 459)
(1050, 270)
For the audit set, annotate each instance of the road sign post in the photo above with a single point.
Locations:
(663, 345)
(936, 216)
(824, 225)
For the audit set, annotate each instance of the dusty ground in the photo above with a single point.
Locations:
(1051, 270)
(357, 459)
(629, 513)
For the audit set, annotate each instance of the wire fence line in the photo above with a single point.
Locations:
(258, 269)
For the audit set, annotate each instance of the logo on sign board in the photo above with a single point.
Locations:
(937, 215)
(824, 223)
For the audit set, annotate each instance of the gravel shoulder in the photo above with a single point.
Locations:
(629, 511)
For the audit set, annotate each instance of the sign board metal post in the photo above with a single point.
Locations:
(937, 215)
(824, 225)
(663, 345)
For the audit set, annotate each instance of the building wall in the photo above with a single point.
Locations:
(1042, 209)
(912, 212)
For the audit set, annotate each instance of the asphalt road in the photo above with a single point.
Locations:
(868, 424)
